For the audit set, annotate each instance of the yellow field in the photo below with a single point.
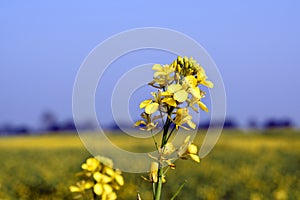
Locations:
(241, 166)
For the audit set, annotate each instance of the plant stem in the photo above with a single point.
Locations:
(153, 188)
(171, 133)
(159, 184)
(164, 141)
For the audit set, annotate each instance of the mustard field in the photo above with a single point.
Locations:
(243, 165)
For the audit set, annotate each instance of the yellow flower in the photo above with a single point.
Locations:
(179, 93)
(114, 174)
(201, 78)
(191, 81)
(188, 149)
(103, 180)
(153, 176)
(162, 76)
(91, 164)
(111, 196)
(168, 149)
(148, 122)
(192, 151)
(119, 179)
(150, 106)
(183, 117)
(105, 191)
(98, 189)
(81, 186)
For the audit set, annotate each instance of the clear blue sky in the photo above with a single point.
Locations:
(255, 44)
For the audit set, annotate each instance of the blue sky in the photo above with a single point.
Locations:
(255, 44)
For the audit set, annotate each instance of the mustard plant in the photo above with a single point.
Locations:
(177, 92)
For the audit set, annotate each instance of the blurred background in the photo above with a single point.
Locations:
(255, 45)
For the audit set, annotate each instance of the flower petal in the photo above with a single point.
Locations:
(170, 102)
(208, 84)
(109, 171)
(181, 96)
(151, 108)
(195, 158)
(195, 92)
(112, 196)
(143, 104)
(174, 88)
(157, 67)
(192, 149)
(101, 177)
(107, 188)
(88, 185)
(166, 93)
(98, 189)
(74, 189)
(156, 74)
(119, 179)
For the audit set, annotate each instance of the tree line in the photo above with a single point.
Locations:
(49, 123)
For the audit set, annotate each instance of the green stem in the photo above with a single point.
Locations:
(171, 133)
(159, 184)
(153, 188)
(164, 141)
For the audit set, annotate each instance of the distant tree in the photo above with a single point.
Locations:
(9, 129)
(68, 126)
(21, 130)
(229, 123)
(278, 123)
(49, 122)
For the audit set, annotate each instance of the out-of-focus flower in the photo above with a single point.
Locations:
(81, 186)
(99, 177)
(91, 165)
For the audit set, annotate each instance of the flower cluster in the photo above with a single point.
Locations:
(99, 178)
(185, 151)
(178, 89)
